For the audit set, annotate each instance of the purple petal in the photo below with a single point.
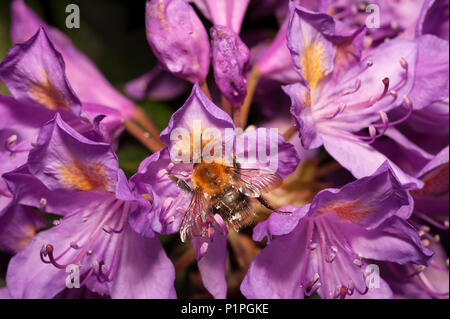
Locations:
(212, 265)
(156, 85)
(196, 108)
(435, 19)
(169, 201)
(394, 240)
(30, 191)
(19, 128)
(302, 114)
(280, 224)
(403, 152)
(4, 293)
(35, 73)
(276, 61)
(229, 13)
(432, 68)
(79, 238)
(362, 159)
(265, 149)
(111, 126)
(369, 201)
(64, 159)
(312, 54)
(145, 271)
(440, 159)
(18, 226)
(276, 272)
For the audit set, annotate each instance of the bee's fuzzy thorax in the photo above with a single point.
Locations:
(211, 178)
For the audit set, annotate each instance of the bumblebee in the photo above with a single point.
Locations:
(218, 188)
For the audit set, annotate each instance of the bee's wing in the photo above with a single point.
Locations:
(253, 182)
(192, 224)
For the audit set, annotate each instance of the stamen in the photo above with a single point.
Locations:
(404, 63)
(49, 253)
(352, 90)
(341, 108)
(313, 289)
(385, 90)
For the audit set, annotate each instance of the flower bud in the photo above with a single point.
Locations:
(178, 38)
(230, 61)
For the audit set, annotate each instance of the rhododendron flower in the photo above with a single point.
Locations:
(35, 74)
(341, 96)
(79, 179)
(85, 78)
(170, 201)
(430, 217)
(334, 239)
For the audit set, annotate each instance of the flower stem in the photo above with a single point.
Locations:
(226, 106)
(140, 117)
(251, 87)
(144, 137)
(289, 133)
(236, 115)
(327, 168)
(204, 86)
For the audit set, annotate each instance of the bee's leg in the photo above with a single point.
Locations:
(236, 166)
(181, 184)
(266, 204)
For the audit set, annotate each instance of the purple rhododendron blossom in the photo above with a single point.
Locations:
(81, 72)
(333, 105)
(336, 237)
(46, 85)
(431, 217)
(93, 233)
(170, 202)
